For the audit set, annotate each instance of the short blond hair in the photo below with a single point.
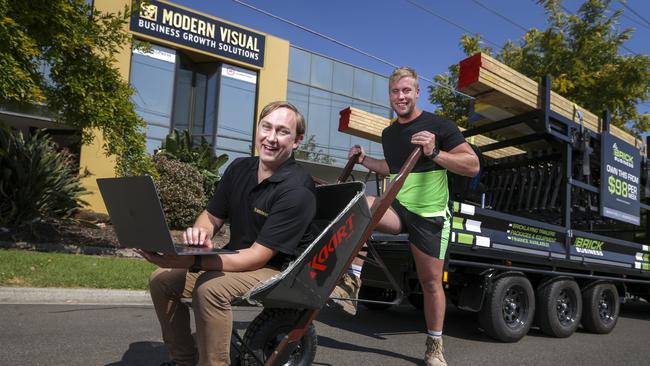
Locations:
(402, 72)
(300, 119)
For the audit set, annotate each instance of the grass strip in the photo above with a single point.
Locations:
(19, 268)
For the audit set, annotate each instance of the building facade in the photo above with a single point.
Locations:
(212, 77)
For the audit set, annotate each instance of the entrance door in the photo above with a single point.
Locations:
(195, 98)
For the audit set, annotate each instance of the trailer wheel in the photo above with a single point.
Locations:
(376, 294)
(559, 307)
(509, 309)
(267, 331)
(601, 308)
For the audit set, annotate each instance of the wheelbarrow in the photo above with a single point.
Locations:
(283, 333)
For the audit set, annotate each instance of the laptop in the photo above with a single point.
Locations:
(138, 217)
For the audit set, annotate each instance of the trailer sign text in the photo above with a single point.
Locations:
(619, 187)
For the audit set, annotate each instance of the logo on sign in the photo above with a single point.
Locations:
(148, 11)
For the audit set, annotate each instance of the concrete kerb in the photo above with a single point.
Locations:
(23, 295)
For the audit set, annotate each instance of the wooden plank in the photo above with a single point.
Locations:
(481, 74)
(370, 126)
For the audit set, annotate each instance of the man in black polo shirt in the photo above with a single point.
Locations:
(270, 203)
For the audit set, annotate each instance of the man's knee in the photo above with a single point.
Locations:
(212, 295)
(166, 281)
(432, 285)
(157, 279)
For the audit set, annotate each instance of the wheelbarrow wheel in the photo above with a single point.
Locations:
(267, 331)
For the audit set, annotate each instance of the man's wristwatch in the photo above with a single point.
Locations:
(434, 153)
(196, 267)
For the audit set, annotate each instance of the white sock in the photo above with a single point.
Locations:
(355, 269)
(434, 333)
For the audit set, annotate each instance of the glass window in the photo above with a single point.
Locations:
(152, 77)
(299, 65)
(236, 116)
(298, 95)
(380, 90)
(362, 85)
(318, 126)
(183, 99)
(320, 88)
(321, 72)
(342, 79)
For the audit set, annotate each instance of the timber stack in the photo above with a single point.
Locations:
(369, 126)
(502, 92)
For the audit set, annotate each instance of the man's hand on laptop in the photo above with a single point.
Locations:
(198, 236)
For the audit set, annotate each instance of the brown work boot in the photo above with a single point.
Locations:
(348, 288)
(433, 356)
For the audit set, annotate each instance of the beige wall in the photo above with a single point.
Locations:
(272, 86)
(272, 83)
(93, 159)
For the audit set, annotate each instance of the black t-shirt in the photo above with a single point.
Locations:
(425, 191)
(396, 140)
(275, 213)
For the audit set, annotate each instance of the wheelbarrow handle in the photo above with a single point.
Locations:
(345, 174)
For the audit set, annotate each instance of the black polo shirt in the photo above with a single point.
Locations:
(275, 213)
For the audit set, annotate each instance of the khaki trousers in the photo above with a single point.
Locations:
(211, 293)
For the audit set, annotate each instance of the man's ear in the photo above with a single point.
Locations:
(297, 141)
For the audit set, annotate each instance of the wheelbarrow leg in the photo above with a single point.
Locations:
(293, 337)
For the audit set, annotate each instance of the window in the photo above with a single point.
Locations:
(152, 77)
(236, 114)
(320, 88)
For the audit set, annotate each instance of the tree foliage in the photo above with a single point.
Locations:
(77, 48)
(309, 150)
(581, 53)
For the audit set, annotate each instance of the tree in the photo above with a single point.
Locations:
(308, 150)
(81, 86)
(581, 53)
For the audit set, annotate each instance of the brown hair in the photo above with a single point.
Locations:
(402, 72)
(300, 120)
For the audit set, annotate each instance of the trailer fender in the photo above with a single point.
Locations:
(548, 280)
(471, 296)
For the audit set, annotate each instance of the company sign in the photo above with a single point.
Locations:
(619, 180)
(168, 22)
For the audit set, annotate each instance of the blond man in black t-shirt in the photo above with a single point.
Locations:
(421, 207)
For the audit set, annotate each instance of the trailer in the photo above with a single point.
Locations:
(556, 236)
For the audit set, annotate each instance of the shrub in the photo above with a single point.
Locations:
(181, 147)
(36, 180)
(180, 186)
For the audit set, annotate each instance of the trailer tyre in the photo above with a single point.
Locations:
(559, 308)
(508, 311)
(267, 331)
(601, 308)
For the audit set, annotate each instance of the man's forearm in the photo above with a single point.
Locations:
(460, 163)
(376, 165)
